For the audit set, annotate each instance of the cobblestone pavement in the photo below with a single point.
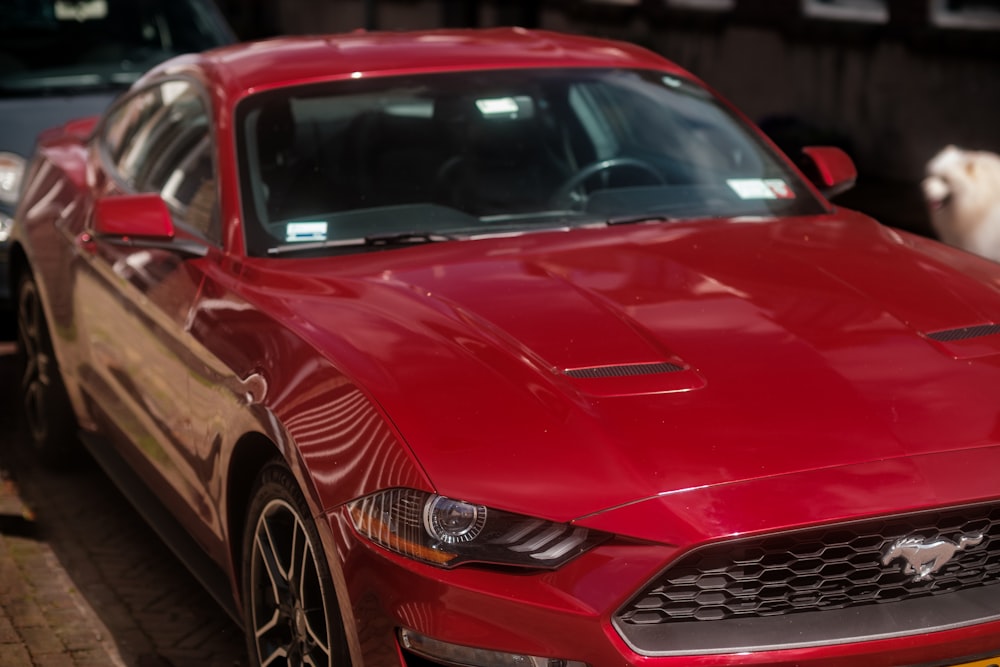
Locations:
(83, 581)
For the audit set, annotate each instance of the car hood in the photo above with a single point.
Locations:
(706, 370)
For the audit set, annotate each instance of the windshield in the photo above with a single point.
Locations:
(441, 156)
(53, 46)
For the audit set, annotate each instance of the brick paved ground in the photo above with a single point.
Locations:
(83, 581)
(43, 618)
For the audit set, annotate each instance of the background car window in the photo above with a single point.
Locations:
(51, 45)
(159, 141)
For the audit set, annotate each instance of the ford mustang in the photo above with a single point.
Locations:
(505, 347)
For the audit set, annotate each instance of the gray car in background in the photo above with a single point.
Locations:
(66, 59)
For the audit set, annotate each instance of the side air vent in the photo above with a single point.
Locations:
(965, 333)
(629, 370)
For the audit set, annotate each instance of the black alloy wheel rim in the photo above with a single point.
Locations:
(288, 609)
(36, 378)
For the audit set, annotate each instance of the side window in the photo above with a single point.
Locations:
(190, 186)
(159, 141)
(124, 123)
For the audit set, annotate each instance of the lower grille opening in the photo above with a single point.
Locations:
(808, 575)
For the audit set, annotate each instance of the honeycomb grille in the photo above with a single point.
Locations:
(819, 569)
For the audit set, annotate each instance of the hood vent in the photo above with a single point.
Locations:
(629, 370)
(965, 333)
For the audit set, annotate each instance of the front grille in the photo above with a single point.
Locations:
(816, 570)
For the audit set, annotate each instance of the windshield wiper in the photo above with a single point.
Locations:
(396, 238)
(372, 240)
(637, 218)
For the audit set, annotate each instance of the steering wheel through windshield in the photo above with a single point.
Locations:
(573, 191)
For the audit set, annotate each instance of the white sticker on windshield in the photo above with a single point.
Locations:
(296, 232)
(88, 10)
(761, 188)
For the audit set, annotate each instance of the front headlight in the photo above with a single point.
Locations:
(446, 532)
(11, 173)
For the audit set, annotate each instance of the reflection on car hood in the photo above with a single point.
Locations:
(789, 347)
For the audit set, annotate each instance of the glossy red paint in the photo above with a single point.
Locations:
(493, 606)
(361, 54)
(708, 284)
(836, 170)
(807, 382)
(141, 215)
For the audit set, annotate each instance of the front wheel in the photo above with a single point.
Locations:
(45, 405)
(289, 605)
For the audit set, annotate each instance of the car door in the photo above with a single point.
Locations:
(133, 302)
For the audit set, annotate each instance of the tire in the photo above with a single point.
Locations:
(290, 609)
(45, 407)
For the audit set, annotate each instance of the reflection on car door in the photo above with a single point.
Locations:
(133, 302)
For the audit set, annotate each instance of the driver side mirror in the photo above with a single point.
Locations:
(829, 168)
(141, 221)
(143, 217)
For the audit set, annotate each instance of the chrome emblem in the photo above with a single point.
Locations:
(923, 557)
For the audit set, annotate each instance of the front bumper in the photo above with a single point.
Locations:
(566, 615)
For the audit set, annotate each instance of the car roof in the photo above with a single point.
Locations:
(260, 65)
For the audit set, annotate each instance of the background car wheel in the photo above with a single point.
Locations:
(46, 409)
(290, 609)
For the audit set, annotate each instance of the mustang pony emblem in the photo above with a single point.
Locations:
(924, 557)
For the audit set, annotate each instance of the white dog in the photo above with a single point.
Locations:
(962, 191)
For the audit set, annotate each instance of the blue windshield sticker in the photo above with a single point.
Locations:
(297, 232)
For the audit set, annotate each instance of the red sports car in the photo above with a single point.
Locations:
(511, 348)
